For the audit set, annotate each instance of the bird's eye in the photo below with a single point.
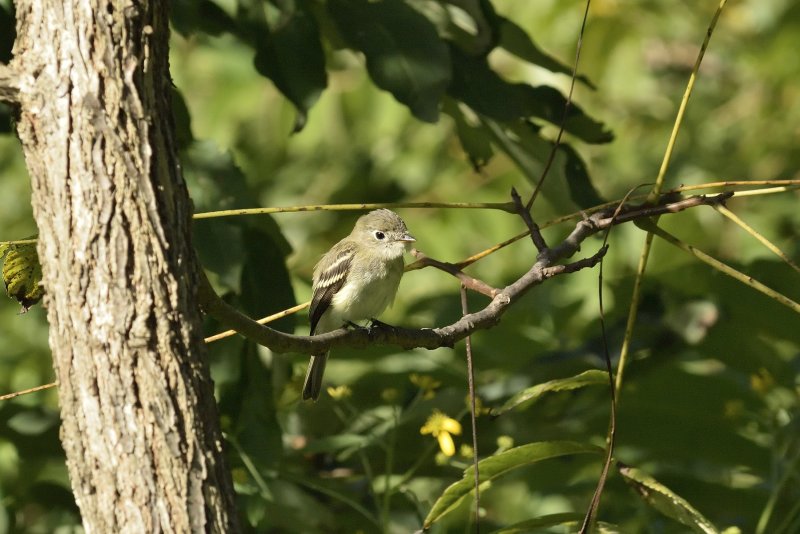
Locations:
(379, 235)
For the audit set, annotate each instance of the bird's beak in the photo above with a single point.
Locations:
(407, 238)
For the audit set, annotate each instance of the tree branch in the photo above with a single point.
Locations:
(533, 228)
(9, 85)
(469, 282)
(446, 336)
(407, 338)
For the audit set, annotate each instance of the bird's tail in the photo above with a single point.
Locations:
(313, 383)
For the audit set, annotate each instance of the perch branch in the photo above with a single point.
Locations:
(446, 336)
(407, 338)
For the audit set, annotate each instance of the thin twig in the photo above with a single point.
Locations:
(468, 281)
(473, 414)
(662, 171)
(653, 196)
(565, 114)
(753, 232)
(630, 321)
(19, 242)
(631, 213)
(611, 437)
(720, 266)
(502, 206)
(8, 396)
(263, 320)
(781, 187)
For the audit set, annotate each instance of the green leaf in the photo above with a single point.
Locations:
(191, 16)
(22, 274)
(416, 71)
(569, 520)
(665, 501)
(463, 22)
(474, 138)
(581, 189)
(482, 89)
(514, 39)
(494, 466)
(220, 247)
(291, 55)
(251, 402)
(530, 395)
(266, 286)
(522, 143)
(548, 103)
(246, 254)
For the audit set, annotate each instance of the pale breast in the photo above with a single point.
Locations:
(368, 295)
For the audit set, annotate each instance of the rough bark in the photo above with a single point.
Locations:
(139, 422)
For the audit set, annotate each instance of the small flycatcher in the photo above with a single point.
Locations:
(355, 280)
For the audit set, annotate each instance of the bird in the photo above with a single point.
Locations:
(357, 279)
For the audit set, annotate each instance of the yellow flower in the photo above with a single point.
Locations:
(442, 427)
(340, 392)
(426, 383)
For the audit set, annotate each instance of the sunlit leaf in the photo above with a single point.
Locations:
(494, 466)
(416, 71)
(514, 39)
(548, 103)
(522, 144)
(475, 140)
(463, 22)
(485, 91)
(22, 274)
(665, 500)
(592, 377)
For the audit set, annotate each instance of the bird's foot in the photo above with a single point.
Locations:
(375, 325)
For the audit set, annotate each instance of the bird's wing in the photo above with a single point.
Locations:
(330, 280)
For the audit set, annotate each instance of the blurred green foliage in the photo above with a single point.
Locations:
(457, 101)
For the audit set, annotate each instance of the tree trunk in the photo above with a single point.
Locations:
(139, 421)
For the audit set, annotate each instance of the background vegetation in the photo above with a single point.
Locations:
(710, 399)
